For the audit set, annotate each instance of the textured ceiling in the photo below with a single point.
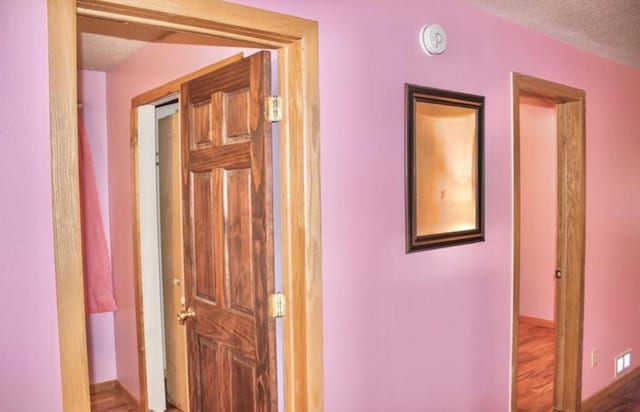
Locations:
(609, 28)
(100, 52)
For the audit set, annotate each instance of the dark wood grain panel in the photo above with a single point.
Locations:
(237, 117)
(200, 135)
(238, 235)
(203, 184)
(209, 372)
(218, 121)
(232, 203)
(236, 156)
(262, 226)
(243, 382)
(232, 77)
(235, 330)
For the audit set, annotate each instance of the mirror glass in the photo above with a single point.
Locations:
(446, 180)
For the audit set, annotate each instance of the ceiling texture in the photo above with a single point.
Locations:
(99, 52)
(608, 28)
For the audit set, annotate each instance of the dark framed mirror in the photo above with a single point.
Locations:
(444, 168)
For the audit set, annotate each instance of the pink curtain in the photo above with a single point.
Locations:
(97, 263)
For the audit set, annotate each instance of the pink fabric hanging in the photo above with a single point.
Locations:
(98, 282)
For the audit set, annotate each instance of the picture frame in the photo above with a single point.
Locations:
(444, 168)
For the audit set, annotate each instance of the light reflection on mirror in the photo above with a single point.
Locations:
(446, 156)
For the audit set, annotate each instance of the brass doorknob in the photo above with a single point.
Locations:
(184, 316)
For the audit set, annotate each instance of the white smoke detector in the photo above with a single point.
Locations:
(433, 39)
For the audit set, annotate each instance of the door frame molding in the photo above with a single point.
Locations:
(296, 40)
(569, 301)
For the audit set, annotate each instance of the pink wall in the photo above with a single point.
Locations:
(151, 67)
(538, 174)
(29, 349)
(426, 331)
(92, 93)
(431, 330)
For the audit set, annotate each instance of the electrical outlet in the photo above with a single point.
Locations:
(619, 365)
(622, 362)
(595, 357)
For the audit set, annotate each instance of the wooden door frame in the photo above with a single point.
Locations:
(297, 42)
(569, 305)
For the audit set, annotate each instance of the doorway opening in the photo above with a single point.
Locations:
(230, 24)
(549, 245)
(538, 233)
(158, 157)
(168, 207)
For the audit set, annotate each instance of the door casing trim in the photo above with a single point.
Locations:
(296, 40)
(569, 304)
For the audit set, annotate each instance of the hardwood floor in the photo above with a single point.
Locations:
(109, 397)
(535, 368)
(623, 395)
(536, 345)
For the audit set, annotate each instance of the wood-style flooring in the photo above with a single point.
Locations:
(536, 346)
(622, 396)
(110, 398)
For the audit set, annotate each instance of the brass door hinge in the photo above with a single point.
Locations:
(273, 108)
(277, 305)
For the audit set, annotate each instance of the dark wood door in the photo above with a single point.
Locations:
(228, 229)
